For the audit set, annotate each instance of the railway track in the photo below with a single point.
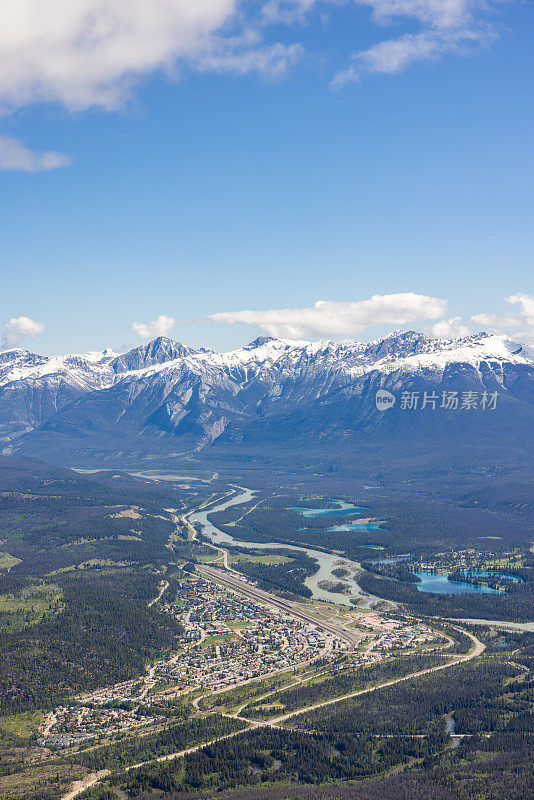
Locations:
(349, 635)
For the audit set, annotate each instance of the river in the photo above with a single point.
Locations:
(326, 561)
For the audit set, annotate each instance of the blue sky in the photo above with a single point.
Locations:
(284, 161)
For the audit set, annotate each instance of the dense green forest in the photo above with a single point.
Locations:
(105, 634)
(271, 755)
(172, 739)
(286, 578)
(496, 768)
(53, 519)
(346, 680)
(484, 696)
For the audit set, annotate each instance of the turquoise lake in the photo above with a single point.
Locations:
(349, 526)
(344, 510)
(357, 526)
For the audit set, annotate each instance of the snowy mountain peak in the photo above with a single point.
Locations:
(164, 386)
(158, 351)
(258, 342)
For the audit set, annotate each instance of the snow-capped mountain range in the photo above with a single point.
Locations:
(196, 397)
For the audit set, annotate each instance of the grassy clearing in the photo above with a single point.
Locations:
(238, 625)
(19, 728)
(271, 558)
(220, 638)
(29, 606)
(208, 559)
(7, 561)
(323, 611)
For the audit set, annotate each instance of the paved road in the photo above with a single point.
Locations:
(477, 649)
(81, 786)
(351, 636)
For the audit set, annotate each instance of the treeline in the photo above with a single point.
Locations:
(344, 681)
(272, 755)
(172, 739)
(105, 634)
(483, 695)
(500, 767)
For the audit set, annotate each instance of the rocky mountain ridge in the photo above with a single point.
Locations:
(197, 397)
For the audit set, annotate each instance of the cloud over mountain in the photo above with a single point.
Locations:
(161, 326)
(19, 327)
(335, 319)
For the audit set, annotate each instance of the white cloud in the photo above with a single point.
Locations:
(15, 156)
(495, 320)
(447, 26)
(524, 318)
(443, 14)
(271, 61)
(450, 329)
(84, 53)
(327, 319)
(526, 305)
(87, 53)
(395, 55)
(19, 327)
(161, 326)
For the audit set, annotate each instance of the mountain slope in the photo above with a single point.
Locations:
(270, 390)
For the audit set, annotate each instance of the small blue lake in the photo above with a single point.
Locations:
(439, 583)
(356, 527)
(343, 510)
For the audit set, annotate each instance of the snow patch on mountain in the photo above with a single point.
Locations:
(165, 386)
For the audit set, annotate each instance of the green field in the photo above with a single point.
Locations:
(207, 559)
(7, 561)
(271, 558)
(17, 728)
(29, 606)
(238, 625)
(219, 638)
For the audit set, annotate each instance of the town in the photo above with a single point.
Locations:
(228, 640)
